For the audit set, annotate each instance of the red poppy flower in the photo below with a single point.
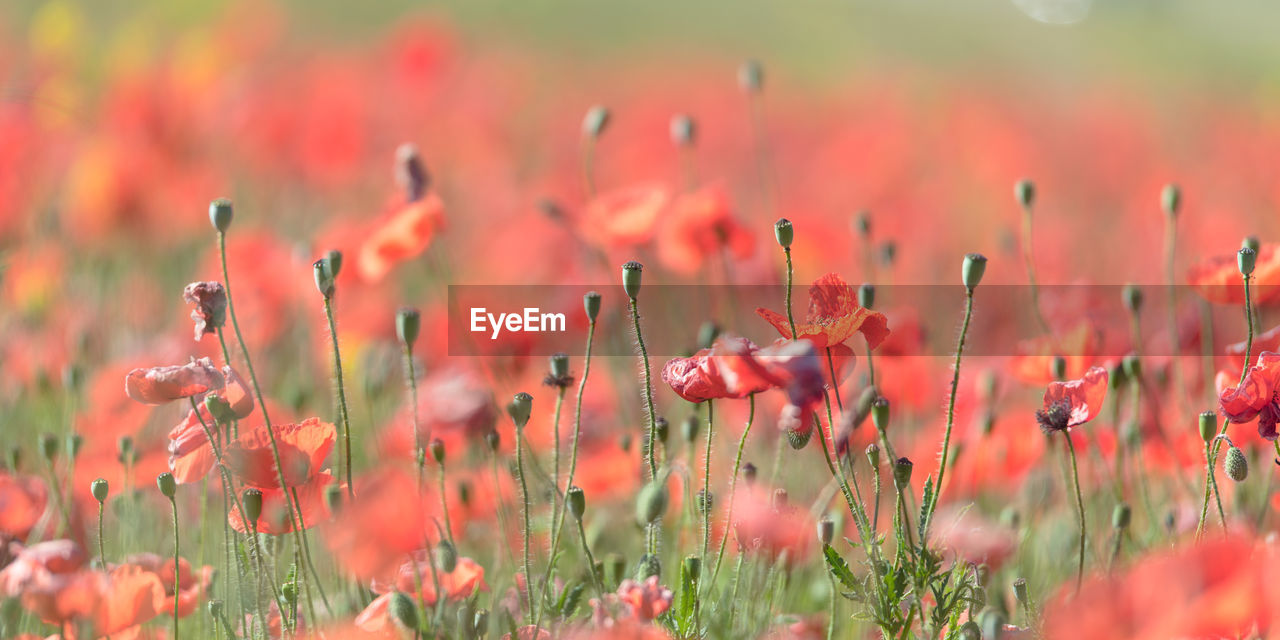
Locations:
(763, 524)
(465, 579)
(404, 235)
(706, 375)
(833, 317)
(159, 385)
(1033, 363)
(700, 225)
(387, 522)
(793, 366)
(275, 518)
(303, 448)
(23, 500)
(1218, 279)
(625, 217)
(190, 454)
(1267, 341)
(1067, 404)
(1256, 396)
(193, 586)
(49, 581)
(646, 600)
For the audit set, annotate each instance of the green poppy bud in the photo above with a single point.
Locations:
(873, 455)
(1058, 368)
(902, 472)
(437, 450)
(492, 440)
(1246, 258)
(650, 565)
(99, 489)
(1251, 242)
(591, 303)
(704, 500)
(826, 530)
(798, 439)
(1208, 425)
(560, 365)
(1171, 199)
(975, 264)
(220, 409)
(751, 76)
(651, 502)
(404, 611)
(465, 621)
(689, 428)
(880, 413)
(482, 622)
(1120, 516)
(1020, 592)
(784, 232)
(1132, 297)
(970, 631)
(615, 568)
(251, 499)
(13, 457)
(693, 567)
(220, 214)
(661, 429)
(1025, 191)
(631, 278)
(75, 442)
(408, 324)
(577, 502)
(49, 446)
(867, 295)
(324, 277)
(167, 484)
(446, 557)
(1236, 465)
(594, 123)
(1132, 366)
(216, 609)
(520, 408)
(683, 130)
(333, 497)
(862, 223)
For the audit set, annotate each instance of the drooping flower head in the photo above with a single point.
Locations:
(159, 385)
(210, 300)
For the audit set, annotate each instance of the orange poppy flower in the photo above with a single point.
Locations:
(1067, 404)
(303, 448)
(1267, 341)
(159, 385)
(465, 579)
(23, 500)
(190, 454)
(833, 317)
(193, 586)
(1218, 279)
(1256, 396)
(700, 225)
(404, 235)
(625, 217)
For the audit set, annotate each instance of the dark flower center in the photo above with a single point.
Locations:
(1055, 417)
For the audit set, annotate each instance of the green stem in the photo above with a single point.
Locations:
(1029, 257)
(591, 561)
(835, 384)
(177, 574)
(419, 444)
(951, 403)
(648, 392)
(706, 485)
(791, 321)
(1210, 486)
(733, 483)
(102, 549)
(1075, 474)
(342, 395)
(525, 530)
(444, 507)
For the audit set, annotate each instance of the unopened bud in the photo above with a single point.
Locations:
(975, 264)
(867, 295)
(1236, 465)
(577, 502)
(873, 455)
(1208, 425)
(492, 440)
(166, 484)
(902, 472)
(1251, 242)
(689, 428)
(707, 334)
(333, 497)
(631, 278)
(1132, 366)
(99, 489)
(651, 502)
(1058, 368)
(446, 557)
(862, 223)
(1246, 258)
(661, 429)
(560, 365)
(749, 472)
(75, 442)
(324, 277)
(798, 439)
(591, 303)
(437, 450)
(1120, 516)
(482, 622)
(880, 413)
(1132, 296)
(693, 567)
(784, 232)
(520, 408)
(751, 76)
(220, 214)
(1025, 191)
(1171, 199)
(408, 324)
(826, 530)
(683, 130)
(650, 565)
(970, 631)
(411, 173)
(49, 446)
(404, 611)
(251, 499)
(595, 122)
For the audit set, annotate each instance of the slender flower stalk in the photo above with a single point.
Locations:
(99, 489)
(631, 285)
(733, 482)
(593, 125)
(1075, 475)
(575, 504)
(1171, 202)
(975, 265)
(873, 458)
(784, 233)
(326, 272)
(751, 81)
(866, 300)
(519, 410)
(168, 487)
(438, 454)
(706, 484)
(408, 323)
(1025, 192)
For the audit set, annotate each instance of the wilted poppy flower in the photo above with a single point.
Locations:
(465, 579)
(1256, 396)
(303, 448)
(1067, 404)
(700, 225)
(23, 500)
(405, 234)
(159, 385)
(646, 600)
(1218, 279)
(210, 299)
(625, 217)
(793, 366)
(702, 376)
(833, 317)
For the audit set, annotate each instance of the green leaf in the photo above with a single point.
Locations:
(688, 595)
(925, 510)
(839, 568)
(569, 603)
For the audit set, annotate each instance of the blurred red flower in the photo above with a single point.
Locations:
(1255, 397)
(833, 317)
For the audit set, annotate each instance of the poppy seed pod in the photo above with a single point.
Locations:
(1020, 592)
(333, 497)
(873, 455)
(1235, 464)
(437, 450)
(751, 76)
(970, 631)
(408, 324)
(1025, 192)
(1058, 368)
(220, 409)
(559, 365)
(862, 223)
(1171, 199)
(975, 264)
(1208, 425)
(403, 610)
(1121, 516)
(707, 334)
(49, 446)
(749, 472)
(99, 489)
(1246, 258)
(650, 565)
(520, 408)
(75, 442)
(693, 567)
(252, 501)
(798, 439)
(577, 502)
(880, 413)
(1132, 297)
(631, 278)
(902, 472)
(482, 622)
(689, 428)
(826, 530)
(220, 214)
(1251, 242)
(492, 440)
(446, 557)
(591, 303)
(651, 502)
(324, 277)
(661, 429)
(784, 232)
(683, 130)
(867, 295)
(594, 123)
(166, 484)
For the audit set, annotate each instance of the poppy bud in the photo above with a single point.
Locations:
(683, 130)
(166, 484)
(873, 455)
(784, 232)
(1171, 199)
(1132, 366)
(970, 631)
(408, 323)
(705, 500)
(751, 76)
(707, 334)
(220, 214)
(591, 303)
(446, 557)
(1246, 258)
(520, 408)
(880, 413)
(464, 493)
(1121, 516)
(689, 428)
(902, 472)
(1025, 191)
(631, 278)
(1251, 242)
(124, 447)
(693, 567)
(49, 446)
(594, 123)
(333, 258)
(779, 499)
(577, 502)
(866, 295)
(13, 457)
(1208, 425)
(333, 497)
(1115, 376)
(75, 442)
(99, 489)
(215, 610)
(560, 365)
(975, 264)
(437, 450)
(649, 566)
(888, 252)
(1132, 297)
(862, 223)
(1020, 592)
(219, 408)
(492, 440)
(465, 619)
(411, 173)
(992, 623)
(403, 610)
(1058, 368)
(661, 429)
(615, 567)
(651, 502)
(324, 277)
(798, 439)
(252, 501)
(749, 472)
(624, 442)
(1236, 465)
(482, 622)
(826, 530)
